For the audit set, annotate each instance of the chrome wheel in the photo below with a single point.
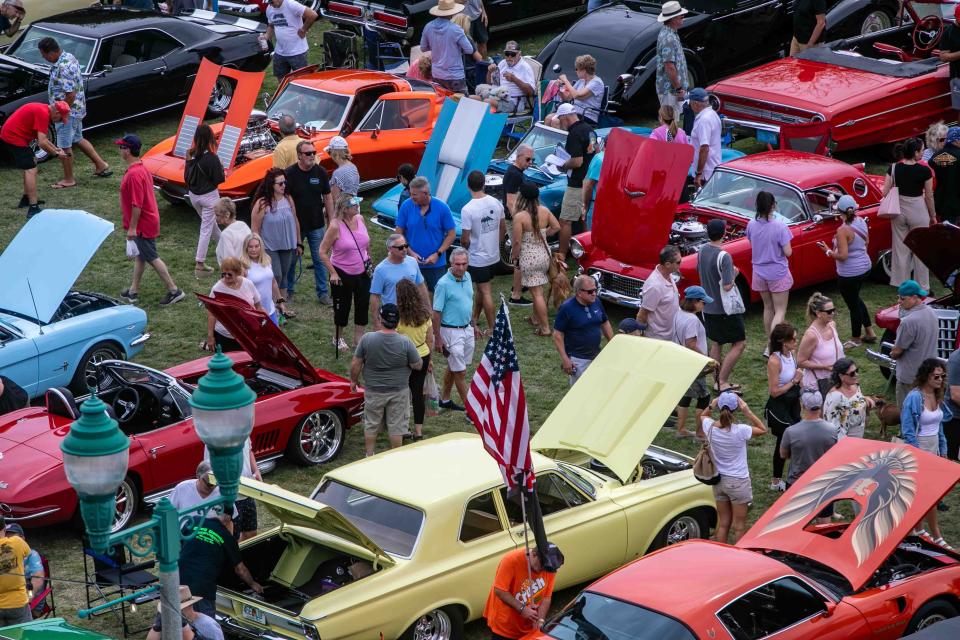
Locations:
(222, 96)
(86, 375)
(682, 529)
(930, 620)
(435, 625)
(874, 21)
(126, 504)
(320, 437)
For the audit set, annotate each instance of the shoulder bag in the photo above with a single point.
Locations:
(890, 205)
(732, 300)
(704, 468)
(367, 262)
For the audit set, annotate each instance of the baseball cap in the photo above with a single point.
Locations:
(17, 4)
(846, 202)
(716, 228)
(390, 315)
(911, 288)
(14, 529)
(566, 109)
(699, 95)
(811, 399)
(728, 400)
(628, 325)
(696, 292)
(511, 46)
(355, 201)
(337, 142)
(63, 109)
(130, 141)
(953, 133)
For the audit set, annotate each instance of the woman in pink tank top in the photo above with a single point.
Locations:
(820, 346)
(344, 251)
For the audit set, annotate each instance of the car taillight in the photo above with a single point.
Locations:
(389, 18)
(347, 9)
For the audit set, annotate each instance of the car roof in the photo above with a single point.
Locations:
(803, 170)
(105, 22)
(447, 467)
(348, 82)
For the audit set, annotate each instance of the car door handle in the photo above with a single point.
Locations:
(634, 194)
(162, 70)
(420, 141)
(153, 450)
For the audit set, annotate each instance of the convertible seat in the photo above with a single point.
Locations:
(456, 145)
(883, 47)
(60, 402)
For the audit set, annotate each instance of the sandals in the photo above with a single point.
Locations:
(531, 321)
(106, 173)
(543, 333)
(736, 388)
(850, 344)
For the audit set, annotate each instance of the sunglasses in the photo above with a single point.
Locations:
(399, 247)
(281, 183)
(855, 372)
(226, 274)
(510, 54)
(590, 291)
(939, 376)
(830, 311)
(941, 139)
(308, 153)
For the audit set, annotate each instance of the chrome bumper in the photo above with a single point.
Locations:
(750, 124)
(32, 516)
(620, 299)
(882, 359)
(136, 342)
(244, 9)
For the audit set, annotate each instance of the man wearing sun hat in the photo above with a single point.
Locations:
(671, 80)
(28, 123)
(11, 15)
(195, 624)
(916, 336)
(448, 44)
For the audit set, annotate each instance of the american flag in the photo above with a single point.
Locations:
(497, 406)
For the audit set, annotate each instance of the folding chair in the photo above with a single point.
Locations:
(342, 50)
(520, 123)
(42, 604)
(114, 576)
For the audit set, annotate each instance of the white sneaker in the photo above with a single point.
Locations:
(778, 486)
(340, 344)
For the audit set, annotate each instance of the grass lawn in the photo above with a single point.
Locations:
(177, 331)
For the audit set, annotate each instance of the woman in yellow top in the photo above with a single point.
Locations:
(415, 324)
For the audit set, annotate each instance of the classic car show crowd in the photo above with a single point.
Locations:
(583, 213)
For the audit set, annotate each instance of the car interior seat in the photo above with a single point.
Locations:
(60, 402)
(131, 54)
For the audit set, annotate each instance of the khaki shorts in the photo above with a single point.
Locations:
(796, 47)
(390, 408)
(735, 490)
(460, 344)
(571, 209)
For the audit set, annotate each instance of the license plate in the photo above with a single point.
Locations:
(766, 137)
(254, 614)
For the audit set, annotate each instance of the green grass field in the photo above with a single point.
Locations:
(177, 330)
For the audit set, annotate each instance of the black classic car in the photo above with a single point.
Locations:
(133, 62)
(400, 21)
(719, 37)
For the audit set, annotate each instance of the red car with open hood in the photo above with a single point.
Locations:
(636, 213)
(866, 576)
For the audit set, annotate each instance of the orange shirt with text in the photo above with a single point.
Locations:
(503, 619)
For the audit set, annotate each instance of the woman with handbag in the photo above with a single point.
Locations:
(415, 323)
(533, 223)
(344, 252)
(853, 268)
(908, 203)
(274, 217)
(770, 248)
(845, 405)
(783, 383)
(820, 346)
(202, 174)
(727, 442)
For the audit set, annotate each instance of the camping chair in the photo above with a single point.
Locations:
(390, 58)
(812, 137)
(521, 122)
(342, 50)
(114, 575)
(42, 604)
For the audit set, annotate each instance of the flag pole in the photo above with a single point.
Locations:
(523, 511)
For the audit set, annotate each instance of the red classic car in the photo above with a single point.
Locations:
(386, 119)
(873, 89)
(636, 212)
(255, 8)
(300, 412)
(936, 246)
(790, 578)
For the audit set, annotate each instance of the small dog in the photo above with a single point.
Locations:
(497, 97)
(560, 288)
(888, 413)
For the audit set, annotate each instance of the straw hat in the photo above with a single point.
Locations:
(671, 10)
(446, 8)
(186, 598)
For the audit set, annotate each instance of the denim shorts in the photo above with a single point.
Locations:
(69, 133)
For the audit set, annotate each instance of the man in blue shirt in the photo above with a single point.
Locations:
(391, 270)
(448, 44)
(452, 327)
(428, 226)
(577, 328)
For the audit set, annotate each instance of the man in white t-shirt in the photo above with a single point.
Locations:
(705, 136)
(287, 24)
(516, 76)
(192, 492)
(483, 226)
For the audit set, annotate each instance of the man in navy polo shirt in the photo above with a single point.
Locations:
(577, 328)
(453, 330)
(428, 226)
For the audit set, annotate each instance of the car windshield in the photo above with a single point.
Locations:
(312, 109)
(393, 526)
(736, 193)
(543, 140)
(596, 617)
(26, 47)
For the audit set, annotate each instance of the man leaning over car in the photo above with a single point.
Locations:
(28, 123)
(11, 15)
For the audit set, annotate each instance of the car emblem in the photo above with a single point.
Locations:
(3, 485)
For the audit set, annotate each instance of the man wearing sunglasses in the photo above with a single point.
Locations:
(515, 75)
(916, 336)
(577, 328)
(309, 186)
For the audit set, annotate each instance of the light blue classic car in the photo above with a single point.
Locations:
(51, 336)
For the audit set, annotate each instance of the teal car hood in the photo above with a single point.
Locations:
(45, 258)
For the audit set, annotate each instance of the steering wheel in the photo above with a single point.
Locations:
(791, 211)
(126, 404)
(926, 34)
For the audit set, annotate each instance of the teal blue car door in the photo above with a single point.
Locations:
(18, 359)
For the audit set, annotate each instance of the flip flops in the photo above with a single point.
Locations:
(106, 173)
(60, 185)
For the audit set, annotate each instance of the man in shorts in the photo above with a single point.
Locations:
(141, 219)
(385, 358)
(689, 332)
(580, 146)
(483, 227)
(28, 123)
(454, 330)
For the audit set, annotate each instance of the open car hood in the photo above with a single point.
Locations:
(45, 258)
(617, 407)
(640, 184)
(937, 247)
(300, 511)
(260, 338)
(893, 487)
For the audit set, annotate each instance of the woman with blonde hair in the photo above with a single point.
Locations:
(344, 251)
(820, 346)
(231, 283)
(415, 323)
(935, 137)
(345, 178)
(233, 232)
(668, 131)
(587, 92)
(256, 261)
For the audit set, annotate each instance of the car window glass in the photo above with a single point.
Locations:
(312, 109)
(26, 47)
(398, 114)
(824, 199)
(737, 194)
(5, 336)
(592, 616)
(363, 101)
(373, 119)
(543, 141)
(480, 518)
(133, 48)
(770, 609)
(553, 493)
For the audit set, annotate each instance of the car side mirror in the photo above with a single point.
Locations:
(107, 68)
(557, 68)
(817, 219)
(375, 133)
(265, 97)
(829, 608)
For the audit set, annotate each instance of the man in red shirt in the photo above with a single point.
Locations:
(141, 219)
(520, 597)
(28, 123)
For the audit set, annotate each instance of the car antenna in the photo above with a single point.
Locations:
(34, 302)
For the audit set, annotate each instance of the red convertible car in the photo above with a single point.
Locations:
(869, 90)
(866, 576)
(300, 412)
(636, 213)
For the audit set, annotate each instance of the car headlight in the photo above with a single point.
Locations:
(715, 102)
(576, 249)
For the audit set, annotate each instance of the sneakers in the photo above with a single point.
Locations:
(131, 297)
(521, 302)
(450, 405)
(33, 210)
(779, 485)
(171, 297)
(943, 543)
(340, 344)
(325, 300)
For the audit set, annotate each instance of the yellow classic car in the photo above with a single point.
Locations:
(40, 9)
(406, 543)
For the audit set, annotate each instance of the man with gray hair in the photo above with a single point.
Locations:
(515, 75)
(194, 491)
(454, 329)
(286, 152)
(578, 326)
(11, 15)
(391, 270)
(428, 225)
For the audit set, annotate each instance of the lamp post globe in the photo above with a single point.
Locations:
(223, 417)
(95, 457)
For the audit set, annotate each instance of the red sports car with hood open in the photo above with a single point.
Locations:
(300, 411)
(790, 578)
(636, 213)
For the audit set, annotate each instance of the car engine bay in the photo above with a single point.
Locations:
(689, 233)
(77, 303)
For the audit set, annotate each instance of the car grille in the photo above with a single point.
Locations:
(764, 114)
(947, 335)
(622, 285)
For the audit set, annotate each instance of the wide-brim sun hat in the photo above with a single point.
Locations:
(446, 8)
(671, 10)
